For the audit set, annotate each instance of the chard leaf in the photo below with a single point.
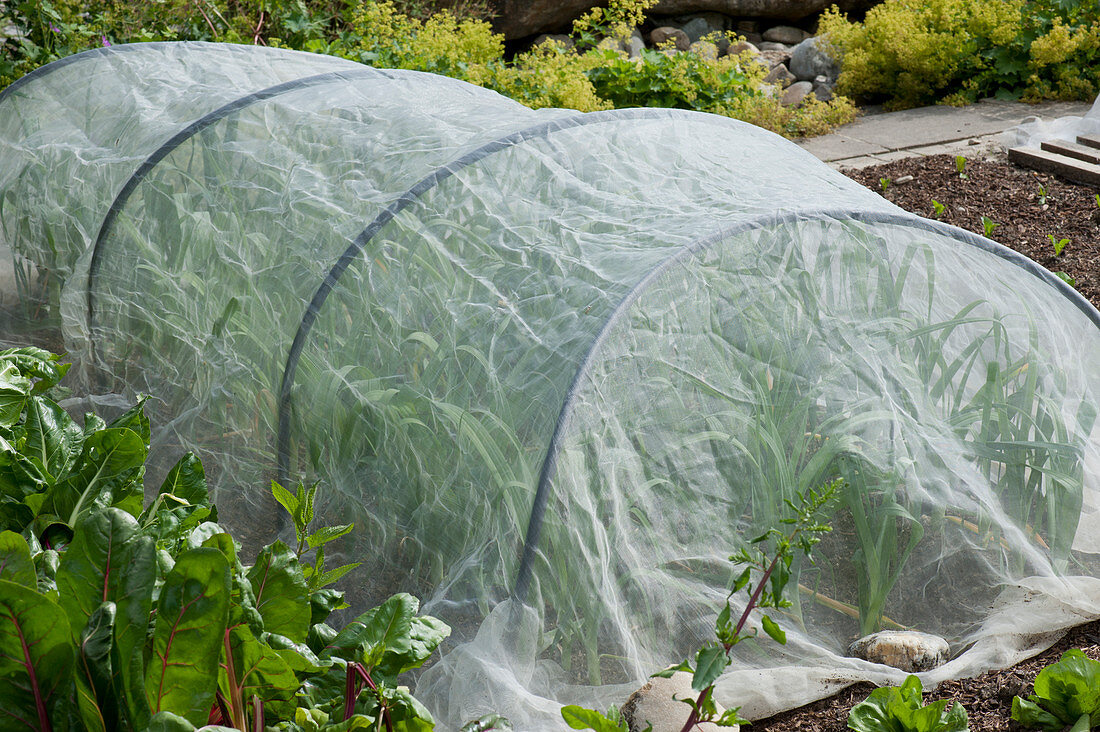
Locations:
(110, 560)
(376, 632)
(95, 677)
(36, 658)
(168, 722)
(134, 419)
(107, 473)
(187, 639)
(182, 503)
(256, 669)
(390, 638)
(323, 602)
(16, 564)
(53, 439)
(282, 597)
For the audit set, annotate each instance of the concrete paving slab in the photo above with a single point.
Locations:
(863, 161)
(838, 146)
(920, 131)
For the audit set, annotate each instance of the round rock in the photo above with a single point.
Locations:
(908, 650)
(666, 33)
(657, 703)
(784, 34)
(810, 59)
(795, 93)
(736, 49)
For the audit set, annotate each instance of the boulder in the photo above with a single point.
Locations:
(699, 27)
(908, 650)
(655, 704)
(823, 88)
(773, 46)
(810, 59)
(522, 18)
(772, 58)
(795, 93)
(661, 36)
(785, 34)
(780, 75)
(736, 49)
(635, 44)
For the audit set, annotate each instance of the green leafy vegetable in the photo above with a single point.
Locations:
(1067, 692)
(898, 709)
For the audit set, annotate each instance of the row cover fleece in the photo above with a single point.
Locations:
(557, 367)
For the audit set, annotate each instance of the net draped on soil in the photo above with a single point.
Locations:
(557, 367)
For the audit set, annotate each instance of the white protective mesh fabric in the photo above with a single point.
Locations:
(557, 367)
(1034, 131)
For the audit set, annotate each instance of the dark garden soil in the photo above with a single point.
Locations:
(1028, 206)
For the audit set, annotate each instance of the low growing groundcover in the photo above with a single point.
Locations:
(558, 367)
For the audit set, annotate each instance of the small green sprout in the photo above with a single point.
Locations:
(988, 225)
(1098, 200)
(960, 166)
(1042, 195)
(884, 183)
(937, 208)
(1059, 244)
(1066, 278)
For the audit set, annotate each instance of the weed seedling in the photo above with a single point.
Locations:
(1042, 195)
(773, 570)
(988, 225)
(960, 166)
(1066, 278)
(884, 183)
(937, 208)
(1059, 244)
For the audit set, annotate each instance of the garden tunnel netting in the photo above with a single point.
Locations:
(557, 367)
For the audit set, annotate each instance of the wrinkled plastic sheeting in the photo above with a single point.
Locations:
(557, 367)
(1034, 131)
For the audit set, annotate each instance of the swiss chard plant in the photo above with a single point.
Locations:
(1066, 693)
(115, 616)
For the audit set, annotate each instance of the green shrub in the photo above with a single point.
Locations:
(405, 34)
(910, 52)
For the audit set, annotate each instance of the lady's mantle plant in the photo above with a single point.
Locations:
(119, 617)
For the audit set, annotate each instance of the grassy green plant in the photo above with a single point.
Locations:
(1058, 244)
(1067, 693)
(899, 709)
